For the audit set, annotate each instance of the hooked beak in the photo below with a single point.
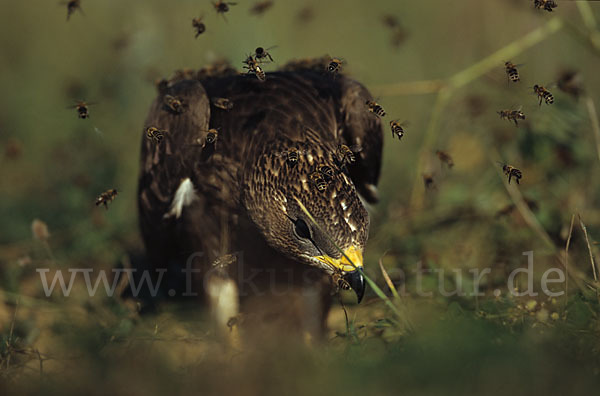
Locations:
(351, 265)
(356, 280)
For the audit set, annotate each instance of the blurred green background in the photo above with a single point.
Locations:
(53, 165)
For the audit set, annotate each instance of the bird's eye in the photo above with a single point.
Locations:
(301, 229)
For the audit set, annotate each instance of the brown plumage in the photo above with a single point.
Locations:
(245, 193)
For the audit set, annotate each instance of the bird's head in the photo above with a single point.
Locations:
(310, 211)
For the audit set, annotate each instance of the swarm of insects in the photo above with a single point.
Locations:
(375, 108)
(397, 128)
(222, 7)
(106, 197)
(199, 26)
(261, 54)
(223, 103)
(318, 180)
(569, 82)
(511, 71)
(72, 6)
(512, 115)
(261, 7)
(334, 66)
(445, 158)
(174, 104)
(544, 94)
(511, 172)
(154, 134)
(251, 64)
(82, 109)
(546, 5)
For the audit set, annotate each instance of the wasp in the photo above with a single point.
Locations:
(261, 7)
(544, 94)
(511, 71)
(82, 109)
(253, 67)
(397, 128)
(319, 181)
(154, 134)
(511, 172)
(445, 158)
(260, 54)
(335, 65)
(72, 6)
(375, 108)
(222, 7)
(174, 104)
(326, 172)
(199, 26)
(106, 197)
(546, 5)
(512, 115)
(223, 103)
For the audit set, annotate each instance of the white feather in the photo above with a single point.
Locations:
(185, 195)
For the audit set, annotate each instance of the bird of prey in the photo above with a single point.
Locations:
(226, 190)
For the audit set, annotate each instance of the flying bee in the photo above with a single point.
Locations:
(174, 104)
(222, 7)
(511, 172)
(319, 181)
(390, 21)
(253, 67)
(397, 128)
(199, 26)
(428, 181)
(82, 109)
(335, 65)
(546, 5)
(512, 115)
(544, 94)
(326, 172)
(72, 6)
(375, 108)
(106, 197)
(445, 158)
(569, 82)
(261, 7)
(511, 71)
(223, 103)
(154, 134)
(260, 54)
